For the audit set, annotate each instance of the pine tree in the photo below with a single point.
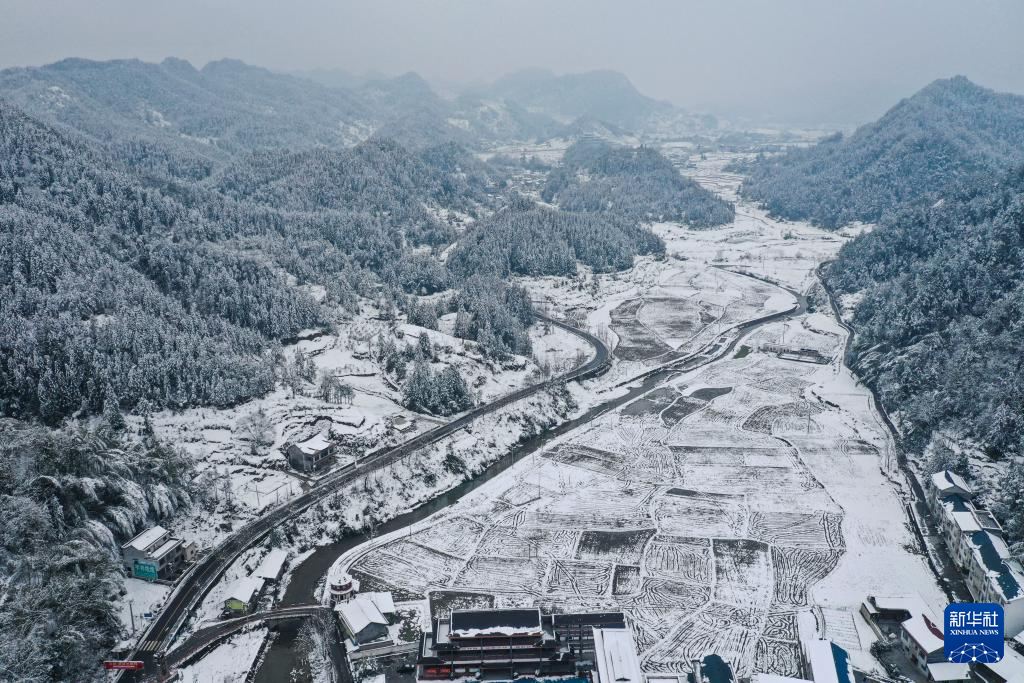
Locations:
(112, 417)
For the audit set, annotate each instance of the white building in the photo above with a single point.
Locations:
(615, 657)
(155, 554)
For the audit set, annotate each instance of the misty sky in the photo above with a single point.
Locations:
(796, 60)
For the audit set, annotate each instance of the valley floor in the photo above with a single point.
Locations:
(734, 509)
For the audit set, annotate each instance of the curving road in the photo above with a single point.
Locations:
(201, 577)
(200, 642)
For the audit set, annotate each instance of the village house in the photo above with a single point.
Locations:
(977, 546)
(922, 639)
(312, 454)
(242, 596)
(615, 657)
(156, 555)
(362, 619)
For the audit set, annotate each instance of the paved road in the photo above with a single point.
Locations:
(198, 581)
(203, 639)
(201, 578)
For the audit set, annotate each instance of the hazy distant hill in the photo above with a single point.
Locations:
(948, 132)
(604, 95)
(226, 107)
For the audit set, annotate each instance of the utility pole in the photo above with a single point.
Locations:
(131, 612)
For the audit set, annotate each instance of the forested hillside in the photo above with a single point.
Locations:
(173, 295)
(64, 497)
(941, 325)
(925, 146)
(638, 183)
(525, 239)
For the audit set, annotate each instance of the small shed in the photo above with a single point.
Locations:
(403, 424)
(273, 565)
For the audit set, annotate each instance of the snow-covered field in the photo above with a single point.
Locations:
(245, 481)
(227, 663)
(732, 510)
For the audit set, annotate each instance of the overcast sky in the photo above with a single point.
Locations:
(771, 59)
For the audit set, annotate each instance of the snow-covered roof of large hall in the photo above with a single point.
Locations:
(314, 444)
(615, 655)
(471, 623)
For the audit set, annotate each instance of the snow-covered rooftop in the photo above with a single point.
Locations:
(314, 444)
(994, 556)
(950, 481)
(167, 547)
(272, 565)
(382, 601)
(471, 623)
(965, 521)
(828, 662)
(949, 671)
(775, 678)
(147, 538)
(924, 630)
(358, 613)
(914, 604)
(616, 657)
(244, 589)
(1010, 667)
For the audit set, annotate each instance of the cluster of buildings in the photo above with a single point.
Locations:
(365, 618)
(506, 644)
(797, 353)
(319, 451)
(905, 621)
(244, 594)
(156, 555)
(977, 545)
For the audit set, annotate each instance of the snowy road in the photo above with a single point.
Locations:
(194, 585)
